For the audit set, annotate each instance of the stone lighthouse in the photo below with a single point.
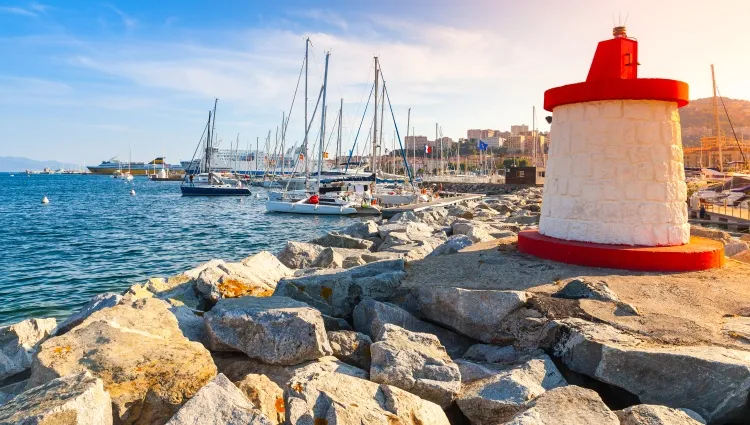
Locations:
(615, 192)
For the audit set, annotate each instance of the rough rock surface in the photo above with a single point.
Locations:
(476, 313)
(413, 230)
(98, 302)
(219, 402)
(454, 244)
(712, 381)
(485, 353)
(77, 399)
(474, 230)
(148, 367)
(351, 347)
(277, 330)
(649, 414)
(237, 366)
(581, 288)
(315, 397)
(254, 276)
(265, 395)
(495, 399)
(569, 405)
(18, 343)
(340, 240)
(337, 293)
(9, 391)
(415, 362)
(371, 316)
(299, 255)
(362, 229)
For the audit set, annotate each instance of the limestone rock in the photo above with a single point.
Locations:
(404, 217)
(340, 240)
(77, 399)
(337, 293)
(485, 353)
(18, 343)
(277, 330)
(336, 323)
(190, 323)
(254, 276)
(219, 403)
(495, 399)
(415, 362)
(712, 381)
(413, 230)
(737, 327)
(649, 414)
(137, 349)
(581, 288)
(98, 302)
(371, 316)
(362, 229)
(237, 366)
(475, 313)
(265, 395)
(8, 392)
(329, 259)
(570, 405)
(299, 255)
(454, 244)
(351, 347)
(475, 231)
(315, 397)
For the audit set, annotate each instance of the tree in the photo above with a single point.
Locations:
(523, 163)
(508, 162)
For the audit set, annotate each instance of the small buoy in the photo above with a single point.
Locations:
(132, 192)
(45, 200)
(12, 175)
(257, 196)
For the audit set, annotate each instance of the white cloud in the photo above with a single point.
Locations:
(16, 11)
(127, 21)
(325, 16)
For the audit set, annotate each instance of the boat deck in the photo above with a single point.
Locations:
(442, 202)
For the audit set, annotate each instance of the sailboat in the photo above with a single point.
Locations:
(208, 183)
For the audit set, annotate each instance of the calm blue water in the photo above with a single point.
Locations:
(94, 237)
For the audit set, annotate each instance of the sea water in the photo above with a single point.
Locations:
(94, 237)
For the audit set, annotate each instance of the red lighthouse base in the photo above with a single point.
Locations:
(699, 254)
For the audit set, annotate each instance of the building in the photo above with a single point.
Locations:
(516, 130)
(530, 138)
(415, 142)
(481, 134)
(515, 144)
(525, 175)
(494, 142)
(707, 155)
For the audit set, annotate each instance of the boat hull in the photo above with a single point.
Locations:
(214, 191)
(302, 208)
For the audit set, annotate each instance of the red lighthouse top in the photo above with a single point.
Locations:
(614, 75)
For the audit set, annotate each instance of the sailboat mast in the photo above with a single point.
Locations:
(307, 169)
(209, 148)
(533, 133)
(283, 140)
(338, 141)
(406, 141)
(257, 140)
(323, 122)
(716, 122)
(375, 130)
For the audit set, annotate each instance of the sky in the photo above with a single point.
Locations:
(81, 81)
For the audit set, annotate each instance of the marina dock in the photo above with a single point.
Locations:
(442, 202)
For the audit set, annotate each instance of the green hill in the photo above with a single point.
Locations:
(697, 119)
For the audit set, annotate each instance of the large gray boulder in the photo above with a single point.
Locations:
(337, 293)
(351, 347)
(299, 255)
(496, 398)
(77, 399)
(362, 229)
(485, 353)
(98, 302)
(265, 395)
(138, 351)
(415, 362)
(650, 414)
(569, 405)
(473, 312)
(712, 381)
(454, 244)
(477, 232)
(18, 343)
(339, 240)
(316, 397)
(371, 316)
(219, 402)
(277, 330)
(254, 276)
(11, 390)
(413, 230)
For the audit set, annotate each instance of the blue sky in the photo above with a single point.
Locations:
(81, 81)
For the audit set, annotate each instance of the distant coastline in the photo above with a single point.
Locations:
(15, 164)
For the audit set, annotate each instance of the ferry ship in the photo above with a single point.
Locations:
(135, 168)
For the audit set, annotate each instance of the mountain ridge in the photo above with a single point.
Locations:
(697, 119)
(18, 163)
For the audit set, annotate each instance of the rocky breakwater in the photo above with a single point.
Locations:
(428, 318)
